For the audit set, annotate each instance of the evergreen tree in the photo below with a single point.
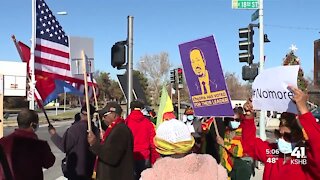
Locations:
(292, 59)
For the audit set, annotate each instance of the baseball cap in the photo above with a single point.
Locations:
(189, 111)
(168, 116)
(111, 107)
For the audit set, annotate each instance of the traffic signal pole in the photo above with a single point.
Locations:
(130, 62)
(262, 130)
(178, 92)
(171, 92)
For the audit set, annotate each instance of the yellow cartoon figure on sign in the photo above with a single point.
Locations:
(198, 64)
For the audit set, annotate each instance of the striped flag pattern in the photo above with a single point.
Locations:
(52, 45)
(52, 52)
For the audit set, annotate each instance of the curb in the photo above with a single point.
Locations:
(13, 123)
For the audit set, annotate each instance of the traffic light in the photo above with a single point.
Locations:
(118, 54)
(250, 72)
(172, 76)
(180, 77)
(246, 44)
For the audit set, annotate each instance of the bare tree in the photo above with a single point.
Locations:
(236, 89)
(155, 68)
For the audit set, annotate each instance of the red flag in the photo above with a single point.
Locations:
(24, 53)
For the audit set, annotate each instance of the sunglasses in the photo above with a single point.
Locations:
(286, 136)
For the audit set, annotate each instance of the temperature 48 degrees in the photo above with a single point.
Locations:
(272, 160)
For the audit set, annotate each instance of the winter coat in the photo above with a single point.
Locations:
(26, 155)
(275, 166)
(143, 134)
(80, 160)
(190, 167)
(115, 155)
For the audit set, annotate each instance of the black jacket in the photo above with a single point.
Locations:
(80, 160)
(115, 156)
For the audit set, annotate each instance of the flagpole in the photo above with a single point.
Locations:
(84, 70)
(96, 104)
(31, 63)
(40, 103)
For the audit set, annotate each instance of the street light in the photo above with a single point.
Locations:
(62, 13)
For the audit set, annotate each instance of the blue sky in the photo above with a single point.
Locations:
(160, 26)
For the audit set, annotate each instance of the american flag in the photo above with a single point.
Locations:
(52, 52)
(52, 45)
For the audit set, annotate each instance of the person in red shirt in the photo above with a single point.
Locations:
(296, 154)
(144, 151)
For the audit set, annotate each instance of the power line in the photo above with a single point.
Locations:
(294, 27)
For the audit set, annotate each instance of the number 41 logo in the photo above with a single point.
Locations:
(299, 152)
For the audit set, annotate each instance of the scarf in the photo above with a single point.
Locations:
(167, 148)
(109, 129)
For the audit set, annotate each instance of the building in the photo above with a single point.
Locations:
(316, 68)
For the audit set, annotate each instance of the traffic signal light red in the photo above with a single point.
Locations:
(180, 77)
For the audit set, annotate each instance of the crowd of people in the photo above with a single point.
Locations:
(190, 148)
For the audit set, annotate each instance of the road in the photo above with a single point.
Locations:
(53, 173)
(13, 116)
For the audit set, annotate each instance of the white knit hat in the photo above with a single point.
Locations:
(173, 131)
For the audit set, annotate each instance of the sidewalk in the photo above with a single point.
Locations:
(259, 173)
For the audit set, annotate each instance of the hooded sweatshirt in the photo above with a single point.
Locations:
(279, 166)
(143, 134)
(190, 167)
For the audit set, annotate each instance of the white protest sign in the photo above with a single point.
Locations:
(78, 44)
(270, 89)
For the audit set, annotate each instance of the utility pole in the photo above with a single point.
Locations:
(130, 62)
(262, 130)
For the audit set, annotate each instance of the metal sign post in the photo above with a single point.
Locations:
(262, 129)
(130, 63)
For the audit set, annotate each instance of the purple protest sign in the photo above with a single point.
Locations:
(207, 87)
